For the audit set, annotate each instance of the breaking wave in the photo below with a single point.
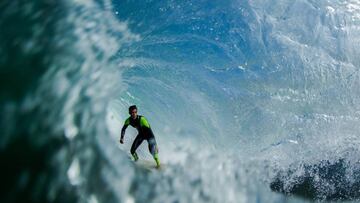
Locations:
(250, 101)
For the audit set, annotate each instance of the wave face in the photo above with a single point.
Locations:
(248, 100)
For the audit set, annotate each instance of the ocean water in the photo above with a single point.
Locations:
(250, 101)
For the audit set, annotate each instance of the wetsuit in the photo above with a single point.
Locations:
(145, 133)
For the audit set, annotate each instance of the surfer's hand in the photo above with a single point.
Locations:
(122, 141)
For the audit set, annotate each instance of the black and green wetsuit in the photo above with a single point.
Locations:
(145, 133)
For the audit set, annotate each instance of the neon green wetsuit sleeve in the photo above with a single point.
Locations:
(144, 123)
(127, 121)
(126, 124)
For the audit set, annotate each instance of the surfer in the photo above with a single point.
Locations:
(144, 133)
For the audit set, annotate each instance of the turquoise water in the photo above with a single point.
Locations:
(250, 101)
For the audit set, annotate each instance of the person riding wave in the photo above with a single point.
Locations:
(144, 133)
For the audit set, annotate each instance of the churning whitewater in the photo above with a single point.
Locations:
(250, 101)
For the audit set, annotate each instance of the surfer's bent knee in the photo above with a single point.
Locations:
(152, 146)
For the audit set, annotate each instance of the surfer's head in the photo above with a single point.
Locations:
(133, 111)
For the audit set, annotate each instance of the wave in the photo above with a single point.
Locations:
(245, 98)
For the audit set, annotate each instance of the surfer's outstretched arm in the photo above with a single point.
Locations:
(126, 124)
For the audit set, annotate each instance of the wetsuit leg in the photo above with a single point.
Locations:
(137, 142)
(152, 146)
(154, 150)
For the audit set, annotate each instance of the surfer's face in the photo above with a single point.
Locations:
(133, 113)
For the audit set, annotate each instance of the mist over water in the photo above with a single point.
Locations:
(250, 101)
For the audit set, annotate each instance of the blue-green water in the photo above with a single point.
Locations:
(250, 101)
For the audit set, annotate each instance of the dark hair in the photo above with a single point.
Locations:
(131, 108)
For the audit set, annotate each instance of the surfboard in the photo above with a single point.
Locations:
(149, 165)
